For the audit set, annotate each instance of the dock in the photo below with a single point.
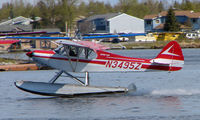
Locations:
(18, 67)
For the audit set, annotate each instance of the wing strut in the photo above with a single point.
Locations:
(70, 62)
(78, 51)
(78, 55)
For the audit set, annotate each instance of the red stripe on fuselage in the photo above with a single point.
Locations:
(44, 51)
(79, 60)
(161, 67)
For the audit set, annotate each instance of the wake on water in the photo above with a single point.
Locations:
(165, 92)
(172, 92)
(132, 90)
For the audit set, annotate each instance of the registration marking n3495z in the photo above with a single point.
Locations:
(123, 65)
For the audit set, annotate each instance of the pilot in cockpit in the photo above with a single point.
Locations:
(72, 52)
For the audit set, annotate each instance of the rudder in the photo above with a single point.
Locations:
(171, 54)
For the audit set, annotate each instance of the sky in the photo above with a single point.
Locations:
(106, 1)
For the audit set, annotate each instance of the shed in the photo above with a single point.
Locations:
(111, 23)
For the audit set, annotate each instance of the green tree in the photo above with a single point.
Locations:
(62, 13)
(67, 12)
(160, 6)
(176, 5)
(109, 8)
(127, 6)
(82, 9)
(187, 5)
(11, 13)
(94, 8)
(171, 24)
(43, 13)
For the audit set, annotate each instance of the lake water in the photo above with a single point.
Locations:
(159, 95)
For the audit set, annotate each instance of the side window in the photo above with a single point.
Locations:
(87, 53)
(91, 54)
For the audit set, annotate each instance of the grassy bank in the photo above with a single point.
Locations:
(5, 61)
(190, 44)
(161, 44)
(144, 45)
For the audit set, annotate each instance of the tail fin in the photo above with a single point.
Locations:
(171, 54)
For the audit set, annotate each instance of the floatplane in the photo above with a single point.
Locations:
(85, 57)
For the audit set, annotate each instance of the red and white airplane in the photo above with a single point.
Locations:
(86, 56)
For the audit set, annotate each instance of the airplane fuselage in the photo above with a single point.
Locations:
(103, 62)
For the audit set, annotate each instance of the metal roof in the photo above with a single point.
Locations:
(12, 28)
(16, 24)
(17, 20)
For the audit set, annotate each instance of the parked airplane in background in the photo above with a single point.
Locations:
(86, 56)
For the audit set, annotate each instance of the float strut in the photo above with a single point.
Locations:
(71, 76)
(87, 81)
(56, 77)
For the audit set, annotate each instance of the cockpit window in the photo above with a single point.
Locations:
(72, 51)
(61, 50)
(87, 53)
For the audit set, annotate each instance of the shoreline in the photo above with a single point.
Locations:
(160, 44)
(151, 45)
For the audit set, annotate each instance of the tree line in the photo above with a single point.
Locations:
(62, 13)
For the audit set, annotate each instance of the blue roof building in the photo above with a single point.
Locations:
(155, 22)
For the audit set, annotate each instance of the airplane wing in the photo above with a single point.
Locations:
(113, 36)
(87, 44)
(68, 42)
(93, 45)
(84, 37)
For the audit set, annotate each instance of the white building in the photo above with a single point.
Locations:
(111, 23)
